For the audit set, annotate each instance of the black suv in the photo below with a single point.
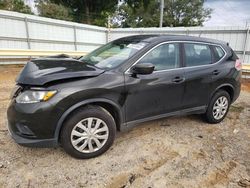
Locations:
(80, 104)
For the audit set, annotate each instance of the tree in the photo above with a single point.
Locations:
(126, 13)
(52, 10)
(145, 13)
(90, 11)
(185, 13)
(137, 14)
(15, 5)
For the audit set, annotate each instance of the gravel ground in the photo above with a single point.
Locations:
(173, 152)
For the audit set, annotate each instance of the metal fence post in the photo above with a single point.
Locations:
(107, 35)
(75, 38)
(27, 32)
(200, 33)
(245, 45)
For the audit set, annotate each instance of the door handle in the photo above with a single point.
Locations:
(178, 79)
(216, 72)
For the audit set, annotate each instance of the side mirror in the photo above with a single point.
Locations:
(144, 68)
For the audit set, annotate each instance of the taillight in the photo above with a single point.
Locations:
(238, 65)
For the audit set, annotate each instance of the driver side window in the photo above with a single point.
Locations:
(163, 57)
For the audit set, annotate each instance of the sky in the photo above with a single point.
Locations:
(228, 12)
(225, 12)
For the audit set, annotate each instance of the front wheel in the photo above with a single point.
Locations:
(88, 132)
(218, 107)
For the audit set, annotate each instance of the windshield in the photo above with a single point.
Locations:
(113, 54)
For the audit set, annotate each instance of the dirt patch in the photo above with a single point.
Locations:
(219, 175)
(246, 85)
(173, 152)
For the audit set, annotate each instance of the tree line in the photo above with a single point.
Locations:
(121, 13)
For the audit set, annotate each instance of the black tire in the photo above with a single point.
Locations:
(76, 117)
(209, 117)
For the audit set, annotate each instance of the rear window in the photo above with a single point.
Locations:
(218, 53)
(197, 54)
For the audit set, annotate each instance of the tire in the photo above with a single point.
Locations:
(76, 128)
(211, 115)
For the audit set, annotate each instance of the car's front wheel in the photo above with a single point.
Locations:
(218, 107)
(88, 132)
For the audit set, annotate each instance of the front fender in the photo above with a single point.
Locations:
(82, 103)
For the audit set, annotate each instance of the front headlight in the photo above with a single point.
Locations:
(33, 96)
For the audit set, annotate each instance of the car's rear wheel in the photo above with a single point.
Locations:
(218, 107)
(88, 132)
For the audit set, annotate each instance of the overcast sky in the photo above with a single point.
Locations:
(228, 12)
(225, 12)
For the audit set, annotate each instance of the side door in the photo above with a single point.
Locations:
(199, 71)
(160, 92)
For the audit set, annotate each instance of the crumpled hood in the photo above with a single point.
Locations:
(41, 71)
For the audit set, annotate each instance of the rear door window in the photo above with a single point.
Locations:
(197, 54)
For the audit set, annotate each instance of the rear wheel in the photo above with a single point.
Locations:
(218, 107)
(88, 132)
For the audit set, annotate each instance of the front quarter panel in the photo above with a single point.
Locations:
(108, 88)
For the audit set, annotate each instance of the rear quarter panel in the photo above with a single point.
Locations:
(228, 76)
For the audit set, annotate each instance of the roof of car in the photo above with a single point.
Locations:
(162, 38)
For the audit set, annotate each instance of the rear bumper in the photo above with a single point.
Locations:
(237, 90)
